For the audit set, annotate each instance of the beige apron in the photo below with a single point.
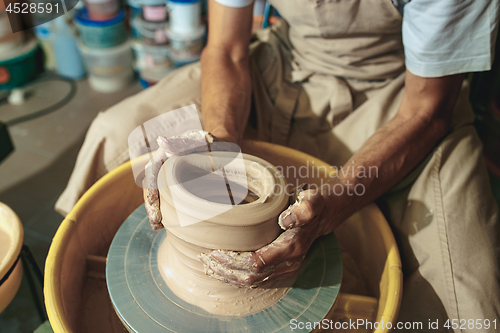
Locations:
(323, 82)
(321, 46)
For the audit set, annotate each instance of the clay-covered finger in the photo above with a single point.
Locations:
(152, 206)
(194, 141)
(215, 269)
(308, 205)
(150, 192)
(238, 260)
(279, 250)
(245, 277)
(235, 277)
(291, 245)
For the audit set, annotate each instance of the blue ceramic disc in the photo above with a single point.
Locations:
(145, 304)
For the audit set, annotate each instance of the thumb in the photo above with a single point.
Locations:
(309, 204)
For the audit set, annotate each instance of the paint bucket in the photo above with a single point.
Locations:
(20, 65)
(101, 34)
(185, 16)
(152, 33)
(186, 47)
(101, 10)
(109, 61)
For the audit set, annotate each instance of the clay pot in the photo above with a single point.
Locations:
(197, 208)
(199, 215)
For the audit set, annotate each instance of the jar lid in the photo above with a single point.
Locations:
(182, 2)
(195, 34)
(140, 3)
(117, 49)
(82, 18)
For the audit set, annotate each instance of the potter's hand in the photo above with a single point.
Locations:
(282, 258)
(195, 141)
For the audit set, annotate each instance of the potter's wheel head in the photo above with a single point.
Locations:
(144, 303)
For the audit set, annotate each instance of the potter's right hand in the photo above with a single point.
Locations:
(304, 222)
(195, 141)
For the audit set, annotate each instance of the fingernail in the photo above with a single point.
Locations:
(287, 220)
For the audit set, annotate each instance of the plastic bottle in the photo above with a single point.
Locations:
(69, 62)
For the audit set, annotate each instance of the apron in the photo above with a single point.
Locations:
(317, 65)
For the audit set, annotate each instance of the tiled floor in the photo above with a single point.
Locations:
(34, 175)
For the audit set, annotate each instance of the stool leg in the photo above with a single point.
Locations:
(29, 265)
(33, 265)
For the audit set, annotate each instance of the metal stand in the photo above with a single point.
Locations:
(30, 267)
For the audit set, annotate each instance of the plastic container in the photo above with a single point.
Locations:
(179, 62)
(68, 59)
(138, 50)
(109, 69)
(155, 13)
(150, 76)
(152, 33)
(8, 39)
(109, 61)
(101, 10)
(111, 83)
(135, 10)
(20, 65)
(186, 47)
(148, 2)
(101, 34)
(44, 34)
(11, 242)
(185, 16)
(156, 56)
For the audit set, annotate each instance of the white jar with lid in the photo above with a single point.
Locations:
(185, 16)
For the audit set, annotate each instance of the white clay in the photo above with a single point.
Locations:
(244, 227)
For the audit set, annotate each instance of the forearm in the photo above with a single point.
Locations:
(391, 152)
(384, 160)
(225, 93)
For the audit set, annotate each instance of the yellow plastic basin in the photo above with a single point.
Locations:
(11, 242)
(75, 291)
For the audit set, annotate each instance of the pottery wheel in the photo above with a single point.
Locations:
(144, 303)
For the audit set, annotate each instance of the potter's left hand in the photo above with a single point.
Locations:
(303, 221)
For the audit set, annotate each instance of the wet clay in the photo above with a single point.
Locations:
(257, 190)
